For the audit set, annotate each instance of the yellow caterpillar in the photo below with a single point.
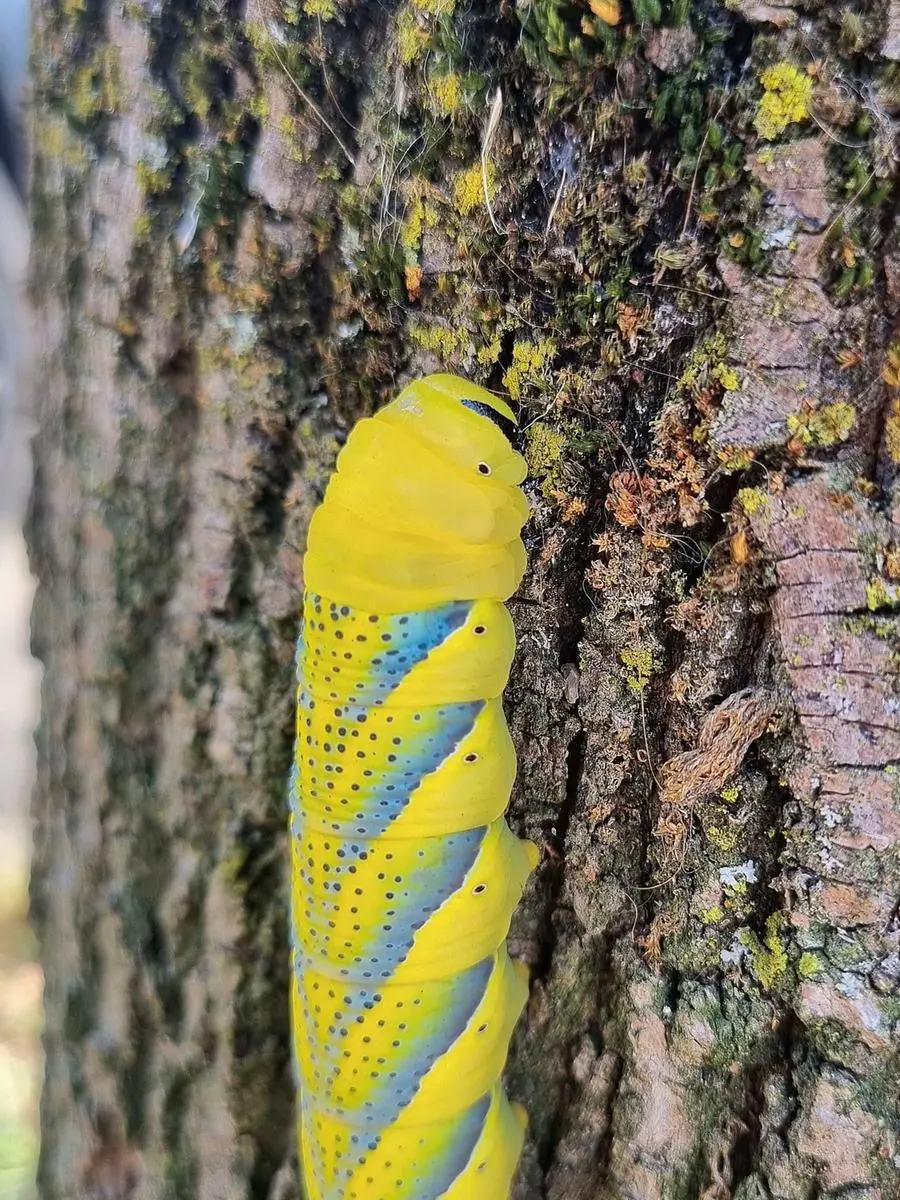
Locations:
(404, 872)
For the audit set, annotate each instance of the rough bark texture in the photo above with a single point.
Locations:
(252, 226)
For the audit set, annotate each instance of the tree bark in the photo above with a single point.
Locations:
(252, 226)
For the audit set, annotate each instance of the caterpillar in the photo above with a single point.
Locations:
(404, 871)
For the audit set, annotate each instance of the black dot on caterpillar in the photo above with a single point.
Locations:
(470, 758)
(484, 468)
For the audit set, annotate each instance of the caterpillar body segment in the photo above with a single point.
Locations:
(404, 871)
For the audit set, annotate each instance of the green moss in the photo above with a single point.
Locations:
(694, 955)
(785, 101)
(706, 365)
(197, 76)
(260, 108)
(143, 225)
(232, 869)
(551, 33)
(835, 1043)
(639, 668)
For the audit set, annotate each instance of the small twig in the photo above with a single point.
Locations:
(387, 182)
(330, 90)
(546, 413)
(307, 99)
(654, 887)
(489, 134)
(832, 137)
(677, 287)
(690, 199)
(559, 192)
(851, 202)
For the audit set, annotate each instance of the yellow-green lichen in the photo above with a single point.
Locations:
(639, 666)
(469, 187)
(260, 108)
(326, 10)
(722, 838)
(752, 500)
(421, 214)
(197, 72)
(727, 376)
(491, 352)
(731, 793)
(891, 436)
(544, 449)
(891, 376)
(785, 100)
(712, 916)
(768, 960)
(152, 180)
(435, 8)
(95, 86)
(826, 426)
(445, 94)
(881, 594)
(232, 869)
(528, 360)
(809, 964)
(439, 339)
(412, 36)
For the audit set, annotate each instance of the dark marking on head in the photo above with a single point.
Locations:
(504, 424)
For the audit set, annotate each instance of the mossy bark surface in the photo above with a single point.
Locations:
(671, 239)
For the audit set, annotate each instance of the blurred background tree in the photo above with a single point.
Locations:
(20, 976)
(666, 229)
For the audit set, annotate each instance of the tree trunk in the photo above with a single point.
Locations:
(252, 226)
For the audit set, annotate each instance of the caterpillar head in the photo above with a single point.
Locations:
(463, 422)
(424, 506)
